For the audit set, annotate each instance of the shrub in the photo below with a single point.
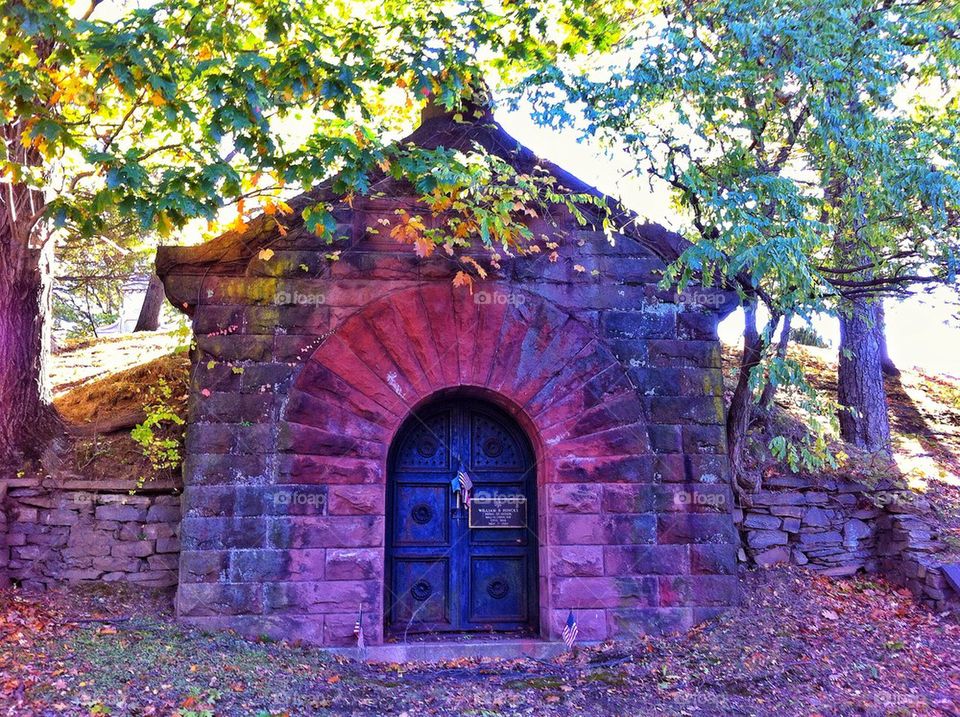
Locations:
(160, 435)
(808, 336)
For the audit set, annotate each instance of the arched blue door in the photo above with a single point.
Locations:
(461, 534)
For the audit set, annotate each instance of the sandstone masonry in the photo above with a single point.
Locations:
(305, 369)
(82, 534)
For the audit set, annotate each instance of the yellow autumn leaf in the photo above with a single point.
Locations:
(157, 100)
(265, 254)
(579, 268)
(164, 224)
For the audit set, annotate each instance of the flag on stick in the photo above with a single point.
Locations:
(465, 483)
(358, 630)
(570, 631)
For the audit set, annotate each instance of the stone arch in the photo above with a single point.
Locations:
(545, 367)
(535, 360)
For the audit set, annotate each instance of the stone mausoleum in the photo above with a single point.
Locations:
(364, 434)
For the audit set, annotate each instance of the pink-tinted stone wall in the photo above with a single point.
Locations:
(305, 368)
(83, 533)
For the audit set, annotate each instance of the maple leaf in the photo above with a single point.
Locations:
(423, 246)
(462, 278)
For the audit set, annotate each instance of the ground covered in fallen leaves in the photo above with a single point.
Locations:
(800, 645)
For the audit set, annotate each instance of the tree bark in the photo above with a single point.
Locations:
(886, 363)
(741, 404)
(149, 319)
(770, 390)
(863, 416)
(27, 417)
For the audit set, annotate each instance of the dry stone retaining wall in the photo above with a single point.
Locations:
(53, 535)
(840, 527)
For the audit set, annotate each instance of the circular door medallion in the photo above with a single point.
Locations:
(492, 447)
(498, 589)
(422, 513)
(421, 590)
(427, 446)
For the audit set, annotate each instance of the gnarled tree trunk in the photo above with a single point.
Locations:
(27, 417)
(886, 363)
(770, 389)
(741, 404)
(860, 377)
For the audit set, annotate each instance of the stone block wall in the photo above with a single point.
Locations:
(907, 548)
(85, 534)
(304, 368)
(840, 527)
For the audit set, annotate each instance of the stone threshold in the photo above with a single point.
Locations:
(452, 650)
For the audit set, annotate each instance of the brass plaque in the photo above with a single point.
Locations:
(500, 512)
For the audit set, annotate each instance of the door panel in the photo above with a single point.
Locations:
(422, 515)
(426, 447)
(424, 587)
(444, 575)
(498, 589)
(493, 447)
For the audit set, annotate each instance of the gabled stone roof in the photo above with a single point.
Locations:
(229, 253)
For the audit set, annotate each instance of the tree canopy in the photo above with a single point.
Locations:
(171, 110)
(812, 146)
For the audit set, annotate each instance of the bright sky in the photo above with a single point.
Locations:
(923, 332)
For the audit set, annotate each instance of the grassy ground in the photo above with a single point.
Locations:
(800, 645)
(105, 380)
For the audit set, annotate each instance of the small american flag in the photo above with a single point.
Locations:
(358, 630)
(466, 485)
(570, 631)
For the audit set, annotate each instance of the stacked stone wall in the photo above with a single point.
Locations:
(83, 534)
(4, 549)
(840, 527)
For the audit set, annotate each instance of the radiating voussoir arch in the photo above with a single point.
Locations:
(544, 366)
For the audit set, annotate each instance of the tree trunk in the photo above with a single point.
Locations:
(770, 390)
(863, 416)
(886, 363)
(149, 319)
(741, 404)
(27, 417)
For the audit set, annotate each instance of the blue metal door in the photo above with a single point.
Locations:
(455, 464)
